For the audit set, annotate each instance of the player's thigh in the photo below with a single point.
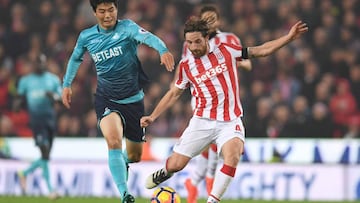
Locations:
(196, 137)
(132, 114)
(227, 131)
(112, 129)
(42, 135)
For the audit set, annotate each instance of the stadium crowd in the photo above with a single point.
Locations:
(309, 89)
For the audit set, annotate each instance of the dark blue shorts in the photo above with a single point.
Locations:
(43, 130)
(130, 115)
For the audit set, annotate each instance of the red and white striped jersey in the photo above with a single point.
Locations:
(220, 37)
(213, 80)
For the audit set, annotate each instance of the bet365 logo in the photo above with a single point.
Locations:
(212, 72)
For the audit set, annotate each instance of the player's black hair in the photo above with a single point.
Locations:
(195, 24)
(95, 3)
(210, 8)
(40, 63)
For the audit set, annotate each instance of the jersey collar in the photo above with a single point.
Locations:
(101, 30)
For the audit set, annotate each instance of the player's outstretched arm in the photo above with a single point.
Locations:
(167, 100)
(66, 97)
(270, 47)
(167, 59)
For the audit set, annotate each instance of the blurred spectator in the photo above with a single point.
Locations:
(178, 119)
(300, 116)
(63, 125)
(256, 125)
(19, 33)
(279, 125)
(353, 127)
(320, 124)
(6, 67)
(321, 48)
(6, 127)
(342, 106)
(90, 125)
(310, 80)
(21, 120)
(257, 91)
(287, 85)
(265, 71)
(355, 83)
(42, 17)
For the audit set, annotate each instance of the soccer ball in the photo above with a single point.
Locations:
(165, 195)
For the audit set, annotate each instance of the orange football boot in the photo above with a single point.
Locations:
(192, 191)
(209, 184)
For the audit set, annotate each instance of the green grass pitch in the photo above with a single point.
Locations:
(23, 199)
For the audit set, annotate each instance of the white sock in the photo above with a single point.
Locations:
(222, 180)
(212, 199)
(212, 163)
(200, 169)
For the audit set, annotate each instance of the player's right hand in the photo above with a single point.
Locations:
(66, 97)
(167, 59)
(145, 121)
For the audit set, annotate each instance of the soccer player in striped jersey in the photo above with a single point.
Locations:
(119, 105)
(213, 78)
(206, 162)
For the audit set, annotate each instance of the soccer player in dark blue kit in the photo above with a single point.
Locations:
(40, 89)
(112, 44)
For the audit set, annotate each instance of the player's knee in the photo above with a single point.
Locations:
(45, 152)
(45, 157)
(232, 159)
(134, 157)
(175, 167)
(114, 143)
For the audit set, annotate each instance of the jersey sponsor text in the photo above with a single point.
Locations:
(212, 72)
(107, 54)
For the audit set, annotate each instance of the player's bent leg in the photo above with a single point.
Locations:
(24, 173)
(156, 178)
(112, 129)
(209, 181)
(134, 151)
(196, 176)
(174, 163)
(211, 167)
(132, 154)
(45, 155)
(22, 180)
(201, 162)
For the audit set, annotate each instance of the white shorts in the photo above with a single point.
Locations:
(201, 132)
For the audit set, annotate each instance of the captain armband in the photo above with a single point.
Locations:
(244, 53)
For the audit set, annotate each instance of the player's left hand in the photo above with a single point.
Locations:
(297, 30)
(145, 121)
(167, 59)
